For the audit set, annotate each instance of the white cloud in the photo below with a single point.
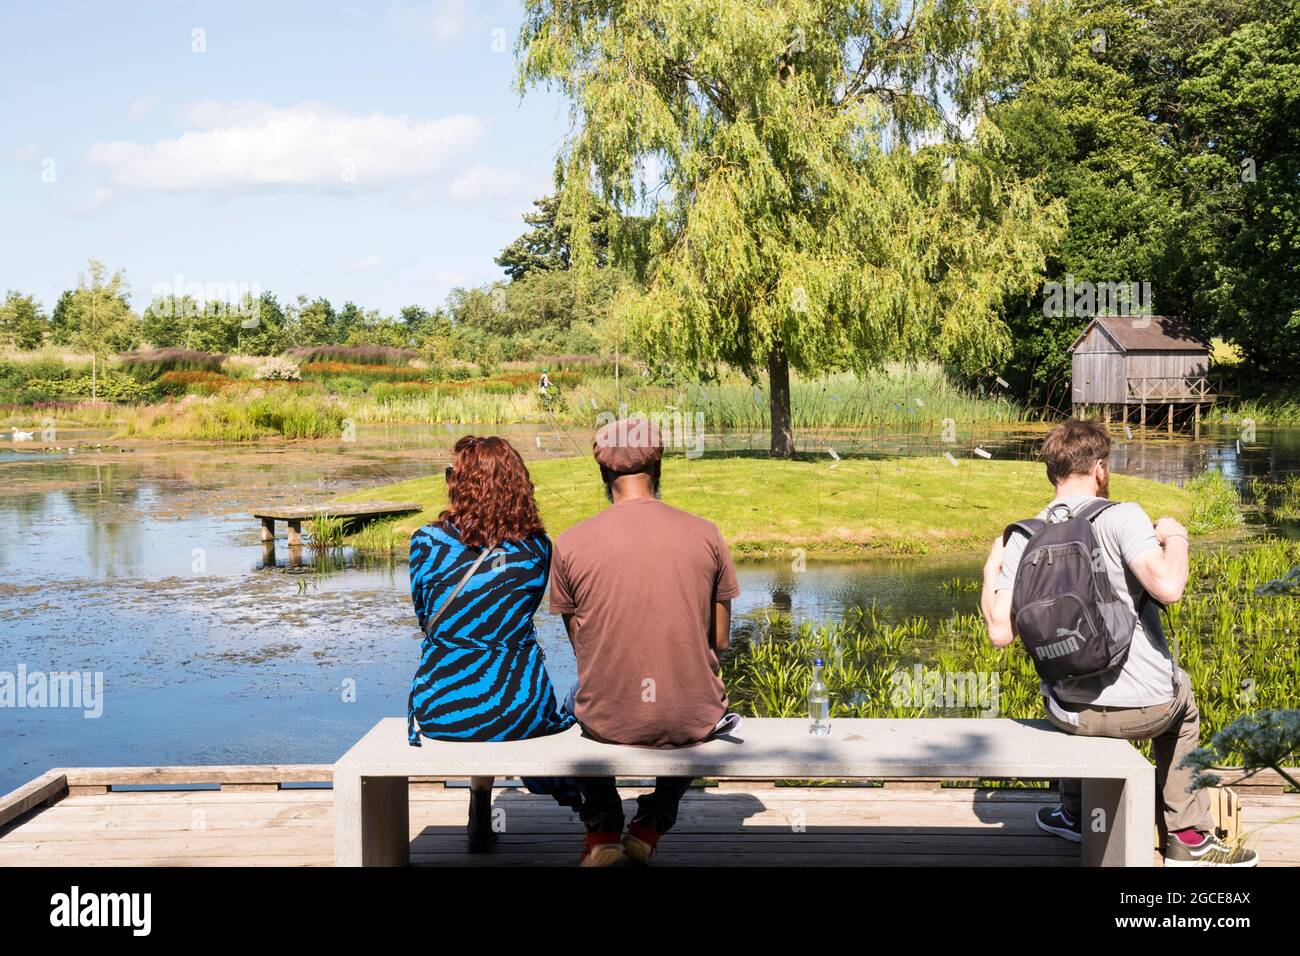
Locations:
(444, 20)
(141, 106)
(448, 280)
(250, 146)
(25, 154)
(481, 183)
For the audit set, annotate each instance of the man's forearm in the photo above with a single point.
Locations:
(1173, 567)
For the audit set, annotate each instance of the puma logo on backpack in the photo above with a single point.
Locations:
(1064, 608)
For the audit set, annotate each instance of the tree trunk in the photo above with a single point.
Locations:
(778, 383)
(94, 383)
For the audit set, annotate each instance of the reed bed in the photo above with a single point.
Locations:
(1238, 643)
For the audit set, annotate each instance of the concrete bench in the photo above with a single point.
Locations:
(371, 821)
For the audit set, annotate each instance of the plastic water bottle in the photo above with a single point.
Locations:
(819, 702)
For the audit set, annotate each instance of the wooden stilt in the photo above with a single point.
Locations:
(1169, 421)
(1142, 419)
(295, 530)
(268, 529)
(1196, 426)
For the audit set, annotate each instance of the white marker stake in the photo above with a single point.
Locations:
(1128, 433)
(982, 453)
(999, 380)
(951, 460)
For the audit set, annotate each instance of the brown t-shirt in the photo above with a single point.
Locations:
(640, 580)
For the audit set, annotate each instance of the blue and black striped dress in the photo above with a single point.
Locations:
(482, 675)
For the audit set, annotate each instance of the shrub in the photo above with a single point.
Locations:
(278, 370)
(191, 383)
(384, 391)
(354, 354)
(155, 362)
(369, 373)
(109, 386)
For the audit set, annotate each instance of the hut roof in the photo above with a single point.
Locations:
(1153, 333)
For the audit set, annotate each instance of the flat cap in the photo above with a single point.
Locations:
(628, 445)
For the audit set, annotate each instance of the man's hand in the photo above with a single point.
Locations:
(1167, 528)
(1163, 571)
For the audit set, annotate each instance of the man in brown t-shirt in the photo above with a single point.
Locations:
(645, 590)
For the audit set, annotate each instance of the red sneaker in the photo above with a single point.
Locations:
(639, 844)
(601, 849)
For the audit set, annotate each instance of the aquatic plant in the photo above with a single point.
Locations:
(1239, 648)
(1216, 503)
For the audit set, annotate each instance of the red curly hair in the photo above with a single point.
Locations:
(489, 494)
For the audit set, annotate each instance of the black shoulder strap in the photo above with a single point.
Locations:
(1092, 509)
(428, 625)
(1030, 527)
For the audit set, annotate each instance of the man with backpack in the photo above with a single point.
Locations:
(1082, 586)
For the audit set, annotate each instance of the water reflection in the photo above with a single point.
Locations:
(214, 651)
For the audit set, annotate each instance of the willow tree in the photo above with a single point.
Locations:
(828, 192)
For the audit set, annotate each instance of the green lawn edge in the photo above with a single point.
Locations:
(843, 510)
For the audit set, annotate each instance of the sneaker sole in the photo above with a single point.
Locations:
(606, 854)
(1245, 864)
(1059, 831)
(637, 851)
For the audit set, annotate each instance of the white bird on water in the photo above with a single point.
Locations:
(21, 436)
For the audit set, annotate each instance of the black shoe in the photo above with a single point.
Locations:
(1056, 821)
(1211, 851)
(479, 828)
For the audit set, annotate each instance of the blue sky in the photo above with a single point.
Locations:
(372, 151)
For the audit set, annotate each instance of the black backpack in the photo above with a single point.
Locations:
(1070, 619)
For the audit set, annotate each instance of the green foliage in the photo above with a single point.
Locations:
(1237, 647)
(1217, 504)
(240, 418)
(22, 321)
(545, 247)
(1267, 740)
(820, 206)
(100, 318)
(1143, 136)
(108, 386)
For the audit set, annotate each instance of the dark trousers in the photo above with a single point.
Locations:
(602, 807)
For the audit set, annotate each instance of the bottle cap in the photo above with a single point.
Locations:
(818, 662)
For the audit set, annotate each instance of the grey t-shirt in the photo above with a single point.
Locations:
(1146, 677)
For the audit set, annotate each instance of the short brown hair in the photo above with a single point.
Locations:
(1073, 447)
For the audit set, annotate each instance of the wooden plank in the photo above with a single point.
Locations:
(840, 826)
(164, 776)
(48, 786)
(368, 509)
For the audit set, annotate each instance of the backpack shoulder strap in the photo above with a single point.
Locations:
(1092, 509)
(1029, 526)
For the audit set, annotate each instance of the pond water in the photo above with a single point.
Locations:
(141, 565)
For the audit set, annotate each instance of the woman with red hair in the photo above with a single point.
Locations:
(477, 577)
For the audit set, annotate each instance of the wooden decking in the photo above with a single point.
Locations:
(251, 821)
(295, 515)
